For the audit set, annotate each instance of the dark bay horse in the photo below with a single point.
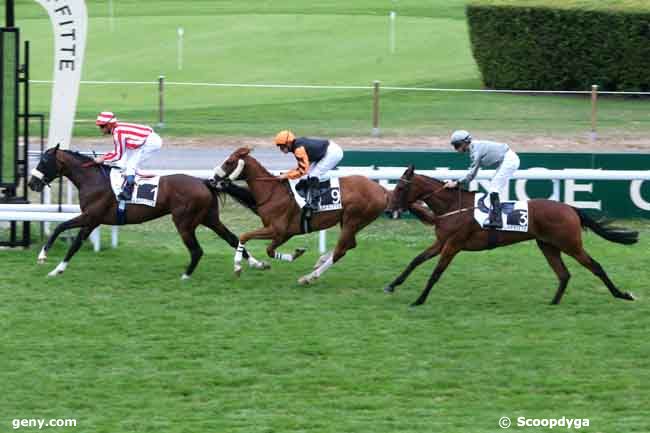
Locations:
(189, 200)
(363, 201)
(556, 227)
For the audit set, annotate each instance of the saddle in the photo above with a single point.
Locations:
(145, 191)
(513, 213)
(329, 194)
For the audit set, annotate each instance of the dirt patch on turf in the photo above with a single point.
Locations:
(519, 142)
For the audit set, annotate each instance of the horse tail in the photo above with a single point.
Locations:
(605, 230)
(242, 195)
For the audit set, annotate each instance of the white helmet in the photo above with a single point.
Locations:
(460, 137)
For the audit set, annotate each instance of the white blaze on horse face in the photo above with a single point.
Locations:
(235, 174)
(37, 174)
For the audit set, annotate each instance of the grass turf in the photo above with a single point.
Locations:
(121, 344)
(287, 42)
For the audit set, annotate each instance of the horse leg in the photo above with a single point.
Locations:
(75, 222)
(261, 233)
(425, 255)
(76, 244)
(322, 259)
(275, 243)
(448, 253)
(224, 233)
(187, 230)
(585, 260)
(346, 242)
(554, 258)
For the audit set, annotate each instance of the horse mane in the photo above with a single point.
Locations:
(78, 155)
(242, 195)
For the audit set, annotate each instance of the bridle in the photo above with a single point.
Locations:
(43, 176)
(436, 191)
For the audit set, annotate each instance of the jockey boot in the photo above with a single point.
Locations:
(311, 199)
(495, 221)
(127, 190)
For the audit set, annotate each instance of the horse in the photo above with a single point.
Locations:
(190, 201)
(557, 228)
(363, 200)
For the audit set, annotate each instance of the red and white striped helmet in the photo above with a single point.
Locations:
(105, 118)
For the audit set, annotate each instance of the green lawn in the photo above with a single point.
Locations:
(120, 343)
(286, 42)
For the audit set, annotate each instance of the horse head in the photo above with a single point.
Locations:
(232, 167)
(400, 198)
(48, 169)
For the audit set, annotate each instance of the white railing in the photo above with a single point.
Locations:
(386, 175)
(51, 213)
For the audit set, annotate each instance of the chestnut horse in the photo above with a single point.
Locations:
(555, 226)
(189, 200)
(363, 201)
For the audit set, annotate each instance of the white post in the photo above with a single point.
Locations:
(47, 199)
(95, 238)
(322, 241)
(391, 32)
(114, 232)
(111, 23)
(180, 33)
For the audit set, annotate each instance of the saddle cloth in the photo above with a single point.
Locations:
(328, 199)
(145, 191)
(513, 213)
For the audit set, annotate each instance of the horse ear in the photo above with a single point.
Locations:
(410, 170)
(57, 146)
(243, 151)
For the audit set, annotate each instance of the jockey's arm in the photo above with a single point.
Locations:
(118, 150)
(303, 164)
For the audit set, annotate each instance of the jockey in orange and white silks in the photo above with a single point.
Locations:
(485, 154)
(315, 158)
(133, 145)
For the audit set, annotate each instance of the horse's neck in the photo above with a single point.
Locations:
(262, 188)
(81, 177)
(444, 200)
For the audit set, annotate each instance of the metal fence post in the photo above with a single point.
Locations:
(161, 101)
(375, 108)
(594, 110)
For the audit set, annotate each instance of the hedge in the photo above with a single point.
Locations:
(561, 45)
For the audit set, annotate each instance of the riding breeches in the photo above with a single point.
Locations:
(504, 172)
(333, 156)
(136, 157)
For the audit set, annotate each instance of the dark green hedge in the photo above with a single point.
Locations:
(536, 47)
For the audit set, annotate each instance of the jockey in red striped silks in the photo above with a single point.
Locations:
(134, 144)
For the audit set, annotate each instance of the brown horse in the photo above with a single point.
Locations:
(555, 226)
(363, 201)
(189, 200)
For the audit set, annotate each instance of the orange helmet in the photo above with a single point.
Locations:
(284, 137)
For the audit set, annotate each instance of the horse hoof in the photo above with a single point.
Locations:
(40, 261)
(389, 289)
(185, 277)
(54, 273)
(238, 272)
(628, 296)
(304, 281)
(298, 252)
(264, 266)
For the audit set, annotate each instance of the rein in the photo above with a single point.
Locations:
(454, 212)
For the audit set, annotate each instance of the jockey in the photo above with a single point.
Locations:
(134, 144)
(315, 158)
(485, 154)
